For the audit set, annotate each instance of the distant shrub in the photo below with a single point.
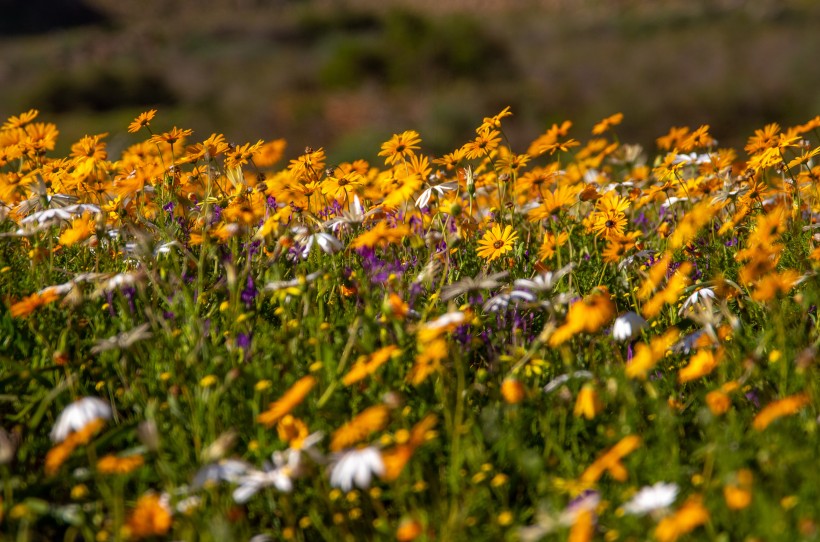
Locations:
(102, 89)
(407, 47)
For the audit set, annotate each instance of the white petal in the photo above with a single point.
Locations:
(79, 414)
(628, 326)
(362, 477)
(328, 243)
(424, 198)
(244, 492)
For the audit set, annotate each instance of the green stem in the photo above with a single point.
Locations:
(455, 446)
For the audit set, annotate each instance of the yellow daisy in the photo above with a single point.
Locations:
(400, 146)
(496, 243)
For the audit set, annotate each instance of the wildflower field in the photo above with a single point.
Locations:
(578, 340)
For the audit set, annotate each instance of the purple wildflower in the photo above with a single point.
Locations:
(130, 292)
(243, 341)
(249, 293)
(217, 214)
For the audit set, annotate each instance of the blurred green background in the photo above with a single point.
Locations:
(344, 75)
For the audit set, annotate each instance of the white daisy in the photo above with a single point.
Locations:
(253, 481)
(560, 380)
(628, 326)
(672, 201)
(356, 467)
(277, 285)
(226, 470)
(699, 297)
(527, 207)
(61, 213)
(454, 318)
(120, 280)
(471, 284)
(503, 300)
(692, 158)
(79, 414)
(165, 248)
(650, 498)
(286, 467)
(189, 504)
(544, 282)
(123, 340)
(356, 215)
(440, 189)
(327, 243)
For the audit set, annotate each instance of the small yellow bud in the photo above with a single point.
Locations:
(505, 518)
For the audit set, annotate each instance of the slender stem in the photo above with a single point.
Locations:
(455, 445)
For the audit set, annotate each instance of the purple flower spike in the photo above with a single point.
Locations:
(249, 293)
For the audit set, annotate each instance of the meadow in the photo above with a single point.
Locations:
(580, 339)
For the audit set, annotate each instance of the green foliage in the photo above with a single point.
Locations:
(102, 89)
(407, 48)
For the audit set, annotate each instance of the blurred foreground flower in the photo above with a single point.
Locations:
(78, 415)
(611, 461)
(57, 455)
(738, 495)
(123, 340)
(111, 464)
(356, 467)
(396, 458)
(8, 445)
(588, 315)
(701, 364)
(588, 404)
(33, 302)
(291, 398)
(686, 519)
(150, 517)
(579, 514)
(513, 391)
(651, 498)
(367, 365)
(647, 356)
(628, 326)
(366, 422)
(409, 529)
(778, 409)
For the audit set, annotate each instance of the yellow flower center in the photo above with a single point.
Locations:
(498, 244)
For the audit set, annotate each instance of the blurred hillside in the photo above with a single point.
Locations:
(346, 74)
